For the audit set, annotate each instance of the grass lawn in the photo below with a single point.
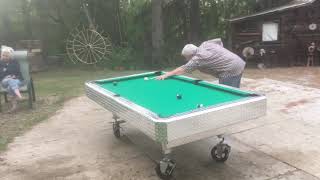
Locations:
(53, 88)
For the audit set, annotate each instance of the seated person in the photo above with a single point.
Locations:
(10, 76)
(211, 58)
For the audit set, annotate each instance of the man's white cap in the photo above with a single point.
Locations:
(189, 50)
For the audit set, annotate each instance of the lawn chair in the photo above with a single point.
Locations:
(22, 58)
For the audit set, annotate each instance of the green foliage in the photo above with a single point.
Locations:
(215, 15)
(120, 58)
(126, 22)
(137, 19)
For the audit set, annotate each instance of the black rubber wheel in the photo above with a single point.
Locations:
(161, 175)
(116, 130)
(220, 152)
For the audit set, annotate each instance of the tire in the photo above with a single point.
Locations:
(162, 175)
(220, 156)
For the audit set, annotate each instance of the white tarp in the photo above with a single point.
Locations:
(270, 31)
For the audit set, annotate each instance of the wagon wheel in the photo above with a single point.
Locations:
(88, 46)
(69, 48)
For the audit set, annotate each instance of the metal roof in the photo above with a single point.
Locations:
(291, 5)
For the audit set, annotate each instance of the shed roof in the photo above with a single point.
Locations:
(291, 5)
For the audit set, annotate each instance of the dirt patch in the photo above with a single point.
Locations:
(294, 104)
(12, 125)
(307, 76)
(297, 103)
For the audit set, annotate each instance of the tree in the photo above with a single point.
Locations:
(157, 32)
(145, 29)
(26, 11)
(8, 12)
(195, 20)
(267, 4)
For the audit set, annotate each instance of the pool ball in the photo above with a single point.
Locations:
(115, 83)
(199, 105)
(179, 96)
(146, 78)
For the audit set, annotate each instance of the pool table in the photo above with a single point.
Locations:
(175, 111)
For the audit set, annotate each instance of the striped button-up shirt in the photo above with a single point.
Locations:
(212, 58)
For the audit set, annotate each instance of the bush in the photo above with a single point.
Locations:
(122, 58)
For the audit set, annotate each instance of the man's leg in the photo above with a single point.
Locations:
(234, 81)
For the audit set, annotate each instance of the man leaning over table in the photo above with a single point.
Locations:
(213, 59)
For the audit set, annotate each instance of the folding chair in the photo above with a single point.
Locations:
(22, 58)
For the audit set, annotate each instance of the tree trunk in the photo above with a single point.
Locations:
(157, 32)
(7, 30)
(118, 20)
(26, 9)
(186, 26)
(45, 28)
(195, 20)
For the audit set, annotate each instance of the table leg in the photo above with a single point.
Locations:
(165, 150)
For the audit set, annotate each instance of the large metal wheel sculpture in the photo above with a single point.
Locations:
(87, 46)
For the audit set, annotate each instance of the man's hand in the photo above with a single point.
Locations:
(177, 71)
(162, 77)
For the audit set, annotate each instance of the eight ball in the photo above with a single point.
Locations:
(179, 96)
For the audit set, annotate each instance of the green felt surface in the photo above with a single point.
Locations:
(161, 96)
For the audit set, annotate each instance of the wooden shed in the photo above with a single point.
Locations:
(281, 36)
(35, 55)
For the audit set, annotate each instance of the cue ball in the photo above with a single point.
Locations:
(146, 78)
(179, 96)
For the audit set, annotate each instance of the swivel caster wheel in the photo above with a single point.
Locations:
(116, 129)
(165, 168)
(116, 126)
(220, 152)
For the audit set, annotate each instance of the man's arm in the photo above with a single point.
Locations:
(187, 68)
(177, 71)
